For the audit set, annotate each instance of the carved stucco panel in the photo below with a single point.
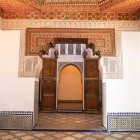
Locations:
(29, 66)
(118, 25)
(118, 51)
(32, 66)
(113, 65)
(21, 53)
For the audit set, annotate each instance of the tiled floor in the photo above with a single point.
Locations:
(70, 121)
(46, 135)
(66, 121)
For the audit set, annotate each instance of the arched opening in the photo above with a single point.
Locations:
(70, 89)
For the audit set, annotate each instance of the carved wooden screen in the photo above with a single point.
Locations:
(48, 93)
(91, 85)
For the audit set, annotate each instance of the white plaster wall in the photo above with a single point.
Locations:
(9, 53)
(16, 94)
(123, 95)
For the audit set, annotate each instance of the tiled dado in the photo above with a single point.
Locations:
(123, 121)
(16, 120)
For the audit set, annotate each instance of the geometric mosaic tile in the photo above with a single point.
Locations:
(123, 121)
(16, 120)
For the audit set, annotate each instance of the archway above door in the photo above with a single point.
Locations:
(79, 65)
(70, 89)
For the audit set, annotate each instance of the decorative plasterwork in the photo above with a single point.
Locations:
(133, 25)
(104, 39)
(29, 66)
(111, 67)
(23, 24)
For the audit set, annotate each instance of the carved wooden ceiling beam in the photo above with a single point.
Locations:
(34, 3)
(75, 2)
(1, 12)
(71, 40)
(105, 4)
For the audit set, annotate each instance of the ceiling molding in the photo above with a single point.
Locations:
(1, 12)
(23, 24)
(70, 9)
(105, 4)
(33, 3)
(75, 2)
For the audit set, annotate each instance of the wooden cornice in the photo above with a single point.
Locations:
(105, 4)
(33, 3)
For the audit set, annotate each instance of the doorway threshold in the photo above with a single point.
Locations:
(80, 122)
(68, 111)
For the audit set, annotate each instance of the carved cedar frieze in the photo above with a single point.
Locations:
(37, 38)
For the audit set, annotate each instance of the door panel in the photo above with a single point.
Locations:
(91, 87)
(48, 102)
(91, 68)
(91, 104)
(49, 68)
(48, 86)
(48, 90)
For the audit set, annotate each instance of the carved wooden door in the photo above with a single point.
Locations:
(91, 85)
(48, 91)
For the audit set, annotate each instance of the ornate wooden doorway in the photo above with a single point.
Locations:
(90, 98)
(70, 54)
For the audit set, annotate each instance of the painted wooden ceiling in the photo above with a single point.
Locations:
(68, 9)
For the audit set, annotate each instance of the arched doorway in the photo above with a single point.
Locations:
(70, 89)
(56, 89)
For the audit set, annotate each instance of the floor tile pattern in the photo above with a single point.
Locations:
(63, 121)
(47, 135)
(70, 121)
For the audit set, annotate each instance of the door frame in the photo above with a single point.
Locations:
(61, 66)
